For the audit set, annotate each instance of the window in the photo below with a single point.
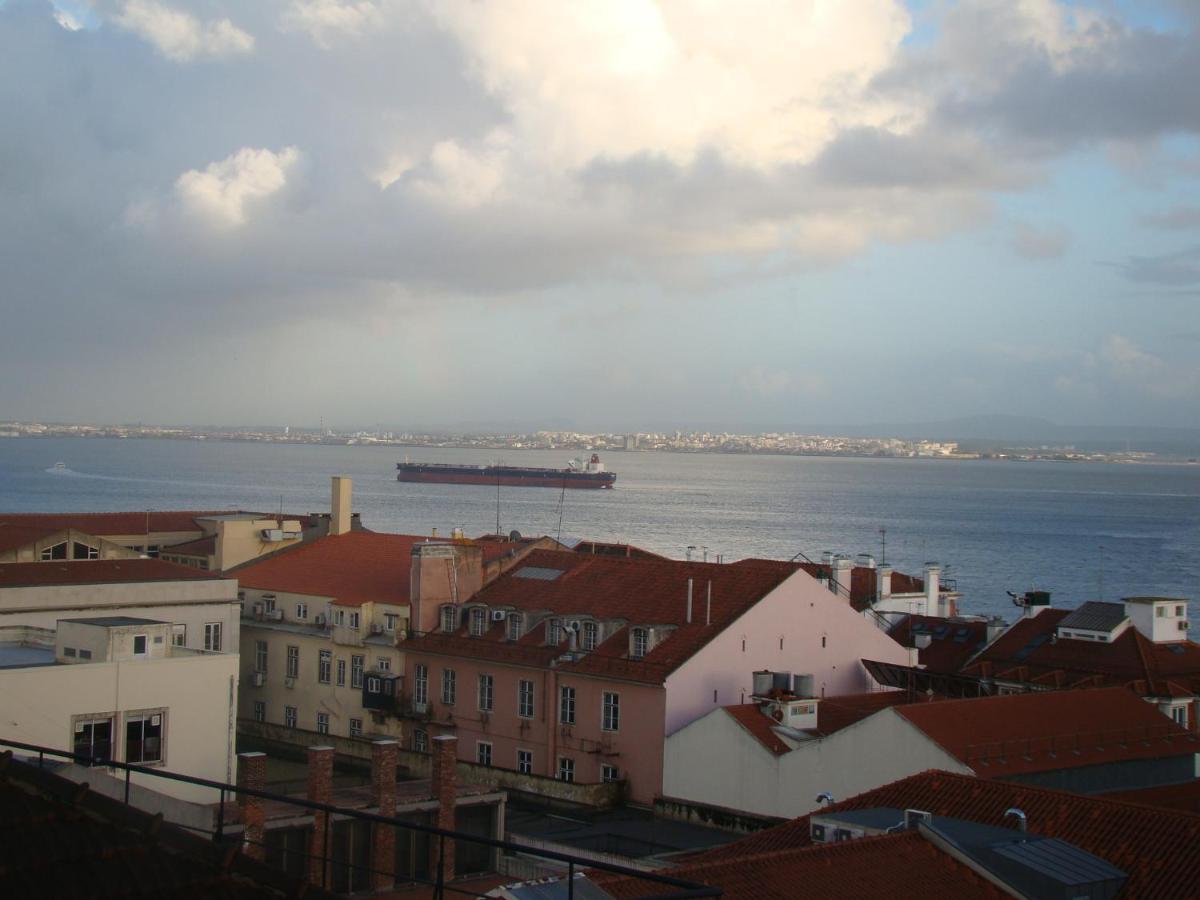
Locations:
(610, 719)
(449, 618)
(478, 620)
(322, 723)
(420, 684)
(590, 633)
(390, 621)
(356, 672)
(1180, 611)
(420, 741)
(83, 551)
(486, 684)
(85, 654)
(58, 551)
(354, 619)
(153, 550)
(69, 651)
(514, 627)
(324, 666)
(639, 640)
(525, 762)
(301, 611)
(212, 636)
(339, 617)
(448, 686)
(260, 656)
(525, 699)
(268, 602)
(554, 632)
(341, 672)
(1179, 714)
(293, 661)
(383, 664)
(139, 645)
(178, 635)
(260, 710)
(609, 773)
(483, 753)
(93, 737)
(143, 737)
(356, 728)
(566, 705)
(374, 685)
(289, 716)
(566, 769)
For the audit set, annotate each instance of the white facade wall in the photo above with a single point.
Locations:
(800, 627)
(715, 761)
(196, 691)
(192, 603)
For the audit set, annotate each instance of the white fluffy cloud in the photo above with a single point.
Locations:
(327, 20)
(180, 36)
(221, 192)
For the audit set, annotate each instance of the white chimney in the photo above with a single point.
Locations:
(339, 520)
(842, 567)
(933, 573)
(883, 581)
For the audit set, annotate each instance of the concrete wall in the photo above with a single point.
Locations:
(800, 627)
(196, 691)
(715, 761)
(191, 603)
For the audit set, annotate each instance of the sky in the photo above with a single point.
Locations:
(615, 214)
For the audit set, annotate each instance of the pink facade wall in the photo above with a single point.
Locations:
(800, 627)
(635, 748)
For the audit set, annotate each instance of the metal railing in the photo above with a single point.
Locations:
(677, 888)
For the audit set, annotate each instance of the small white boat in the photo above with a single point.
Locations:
(60, 466)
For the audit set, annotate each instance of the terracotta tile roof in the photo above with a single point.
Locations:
(16, 535)
(899, 867)
(353, 568)
(836, 713)
(1027, 652)
(1050, 730)
(97, 571)
(633, 591)
(750, 717)
(1160, 849)
(110, 523)
(952, 642)
(1180, 797)
(205, 546)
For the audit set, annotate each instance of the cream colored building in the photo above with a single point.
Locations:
(115, 687)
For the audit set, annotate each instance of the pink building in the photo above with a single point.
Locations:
(577, 666)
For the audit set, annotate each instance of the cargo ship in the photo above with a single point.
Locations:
(576, 475)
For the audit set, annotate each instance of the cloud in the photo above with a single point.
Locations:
(221, 192)
(1175, 269)
(1039, 243)
(1180, 218)
(1127, 364)
(327, 21)
(180, 36)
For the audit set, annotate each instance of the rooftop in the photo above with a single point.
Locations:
(1095, 615)
(97, 571)
(952, 642)
(114, 621)
(1051, 730)
(118, 523)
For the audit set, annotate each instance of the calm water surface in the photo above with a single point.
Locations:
(1082, 531)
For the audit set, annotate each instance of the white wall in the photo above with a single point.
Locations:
(821, 634)
(715, 761)
(197, 691)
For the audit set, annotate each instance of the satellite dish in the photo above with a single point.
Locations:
(514, 535)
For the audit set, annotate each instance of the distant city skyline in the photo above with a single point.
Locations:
(607, 214)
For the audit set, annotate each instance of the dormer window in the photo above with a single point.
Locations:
(58, 551)
(514, 627)
(478, 620)
(449, 619)
(554, 632)
(589, 636)
(639, 642)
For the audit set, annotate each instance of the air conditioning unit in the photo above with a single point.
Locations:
(289, 682)
(272, 535)
(257, 679)
(320, 620)
(275, 615)
(498, 615)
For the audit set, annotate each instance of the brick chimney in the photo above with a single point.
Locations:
(252, 773)
(339, 519)
(383, 794)
(320, 790)
(445, 791)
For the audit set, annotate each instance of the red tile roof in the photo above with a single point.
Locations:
(836, 713)
(353, 568)
(1160, 849)
(110, 523)
(899, 867)
(638, 592)
(205, 546)
(1045, 731)
(952, 642)
(97, 571)
(1028, 653)
(1180, 797)
(751, 718)
(600, 548)
(14, 536)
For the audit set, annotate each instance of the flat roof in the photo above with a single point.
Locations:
(115, 621)
(98, 571)
(22, 656)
